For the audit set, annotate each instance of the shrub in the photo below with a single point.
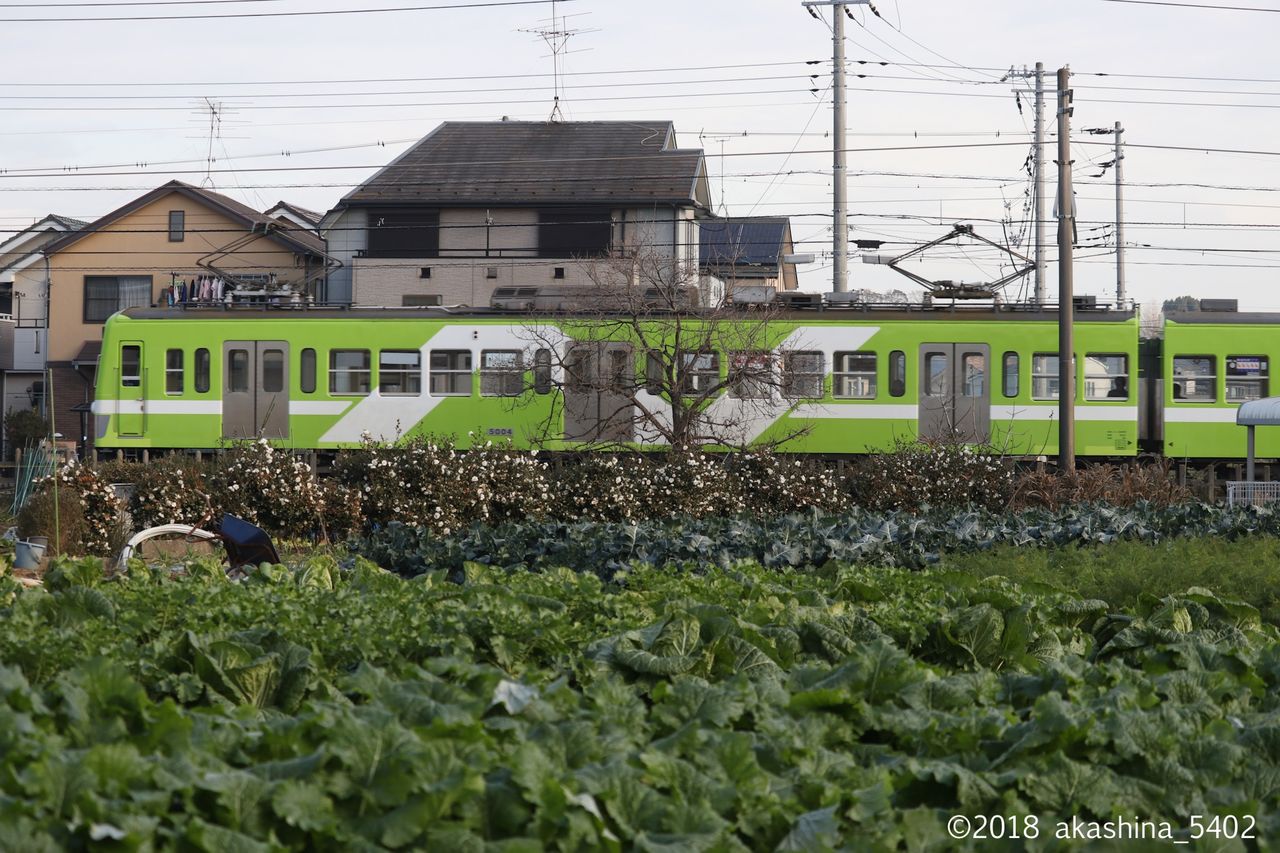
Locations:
(39, 518)
(1120, 485)
(765, 483)
(936, 474)
(24, 427)
(269, 487)
(168, 490)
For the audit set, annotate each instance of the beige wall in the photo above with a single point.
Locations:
(384, 282)
(138, 244)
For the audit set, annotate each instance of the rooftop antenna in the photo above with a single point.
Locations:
(215, 132)
(556, 34)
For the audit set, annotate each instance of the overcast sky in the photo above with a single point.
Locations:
(131, 92)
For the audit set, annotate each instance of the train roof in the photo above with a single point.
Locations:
(959, 313)
(1251, 318)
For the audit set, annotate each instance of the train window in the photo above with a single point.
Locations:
(400, 372)
(1247, 377)
(1106, 377)
(131, 366)
(580, 369)
(451, 372)
(853, 375)
(542, 371)
(349, 371)
(238, 370)
(897, 373)
(937, 375)
(1010, 386)
(621, 378)
(273, 371)
(750, 375)
(307, 371)
(173, 378)
(1044, 376)
(203, 364)
(802, 375)
(654, 372)
(699, 372)
(975, 374)
(501, 373)
(1194, 379)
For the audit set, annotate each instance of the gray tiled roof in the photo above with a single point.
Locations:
(744, 240)
(516, 162)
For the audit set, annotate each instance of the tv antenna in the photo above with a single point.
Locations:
(215, 109)
(556, 34)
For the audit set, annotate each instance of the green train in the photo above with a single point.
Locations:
(845, 380)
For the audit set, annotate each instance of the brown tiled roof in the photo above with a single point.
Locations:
(294, 238)
(517, 162)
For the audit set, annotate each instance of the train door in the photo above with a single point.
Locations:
(131, 412)
(598, 383)
(955, 392)
(255, 389)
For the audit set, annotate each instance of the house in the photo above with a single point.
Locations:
(308, 220)
(475, 206)
(748, 251)
(22, 334)
(176, 234)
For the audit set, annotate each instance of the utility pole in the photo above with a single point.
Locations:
(1121, 295)
(840, 174)
(1037, 179)
(1066, 238)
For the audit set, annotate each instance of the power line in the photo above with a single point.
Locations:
(298, 14)
(1195, 5)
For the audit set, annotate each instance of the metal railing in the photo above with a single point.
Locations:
(1246, 493)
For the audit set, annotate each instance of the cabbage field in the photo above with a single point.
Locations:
(762, 688)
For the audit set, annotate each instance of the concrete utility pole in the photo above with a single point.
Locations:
(1066, 239)
(1037, 180)
(840, 175)
(1121, 295)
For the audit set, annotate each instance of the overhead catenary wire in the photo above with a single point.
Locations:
(478, 4)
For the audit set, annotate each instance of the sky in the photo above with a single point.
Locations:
(95, 112)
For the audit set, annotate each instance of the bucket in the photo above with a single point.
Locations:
(27, 555)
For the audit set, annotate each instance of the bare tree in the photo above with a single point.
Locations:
(641, 355)
(1151, 320)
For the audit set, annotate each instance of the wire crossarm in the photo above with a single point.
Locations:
(962, 289)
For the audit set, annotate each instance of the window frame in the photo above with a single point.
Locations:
(1040, 374)
(170, 371)
(407, 373)
(791, 377)
(1211, 377)
(747, 381)
(1014, 360)
(134, 379)
(450, 373)
(307, 370)
(202, 367)
(1262, 380)
(839, 376)
(134, 283)
(1111, 377)
(502, 381)
(335, 372)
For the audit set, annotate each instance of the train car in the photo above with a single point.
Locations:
(1211, 362)
(853, 380)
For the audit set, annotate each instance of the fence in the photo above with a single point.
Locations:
(1243, 493)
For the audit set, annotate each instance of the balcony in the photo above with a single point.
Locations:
(23, 344)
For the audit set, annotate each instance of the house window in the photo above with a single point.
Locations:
(750, 375)
(104, 295)
(1247, 377)
(451, 372)
(424, 272)
(558, 272)
(854, 375)
(400, 372)
(349, 371)
(307, 371)
(501, 373)
(203, 363)
(1194, 379)
(173, 371)
(1044, 376)
(574, 232)
(897, 373)
(403, 233)
(699, 372)
(802, 375)
(1010, 384)
(1106, 377)
(491, 272)
(131, 366)
(177, 226)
